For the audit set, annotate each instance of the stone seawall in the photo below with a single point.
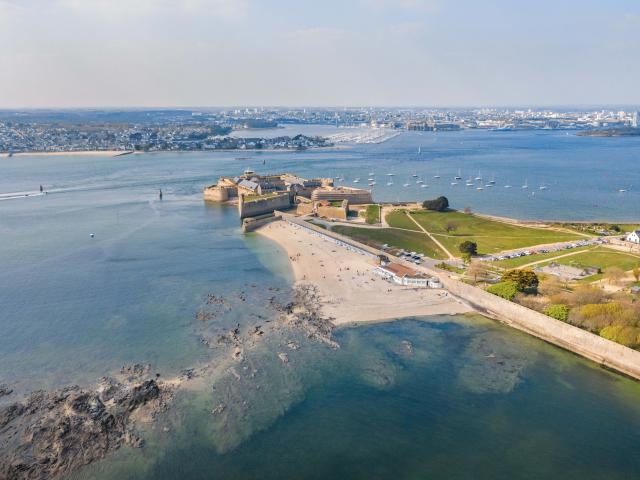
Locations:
(262, 206)
(574, 339)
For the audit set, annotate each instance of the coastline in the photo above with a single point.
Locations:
(350, 292)
(89, 153)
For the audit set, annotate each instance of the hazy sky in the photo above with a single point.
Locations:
(57, 53)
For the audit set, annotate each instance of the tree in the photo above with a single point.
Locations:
(478, 270)
(451, 227)
(468, 247)
(525, 280)
(551, 286)
(616, 228)
(439, 204)
(614, 275)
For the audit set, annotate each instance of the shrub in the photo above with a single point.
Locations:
(525, 280)
(506, 290)
(625, 335)
(439, 204)
(557, 311)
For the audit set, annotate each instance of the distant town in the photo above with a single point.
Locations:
(217, 129)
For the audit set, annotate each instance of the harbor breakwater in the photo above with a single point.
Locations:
(600, 350)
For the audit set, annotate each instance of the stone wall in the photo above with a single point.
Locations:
(252, 223)
(329, 211)
(216, 193)
(264, 205)
(554, 331)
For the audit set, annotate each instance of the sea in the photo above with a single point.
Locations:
(99, 273)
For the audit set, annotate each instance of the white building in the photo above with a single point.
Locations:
(401, 275)
(633, 237)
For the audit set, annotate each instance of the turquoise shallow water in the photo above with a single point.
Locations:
(74, 308)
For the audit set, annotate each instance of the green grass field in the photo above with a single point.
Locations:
(600, 257)
(518, 262)
(372, 214)
(399, 219)
(413, 242)
(490, 235)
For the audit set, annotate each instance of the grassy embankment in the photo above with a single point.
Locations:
(376, 237)
(491, 236)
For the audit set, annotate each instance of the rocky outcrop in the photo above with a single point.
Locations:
(53, 433)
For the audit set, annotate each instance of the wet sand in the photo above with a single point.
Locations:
(349, 290)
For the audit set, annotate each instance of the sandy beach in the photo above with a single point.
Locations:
(349, 290)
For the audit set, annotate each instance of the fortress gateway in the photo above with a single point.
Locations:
(263, 194)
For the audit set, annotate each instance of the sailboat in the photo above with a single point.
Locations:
(357, 180)
(469, 182)
(453, 184)
(415, 175)
(526, 185)
(493, 180)
(437, 175)
(542, 187)
(458, 177)
(479, 177)
(406, 184)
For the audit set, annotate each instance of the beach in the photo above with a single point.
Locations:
(349, 290)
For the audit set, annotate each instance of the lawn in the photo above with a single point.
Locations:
(600, 257)
(376, 237)
(490, 235)
(399, 219)
(518, 262)
(372, 214)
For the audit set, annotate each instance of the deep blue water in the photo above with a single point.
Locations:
(74, 308)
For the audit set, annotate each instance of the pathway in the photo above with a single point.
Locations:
(428, 234)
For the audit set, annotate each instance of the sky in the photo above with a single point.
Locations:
(172, 53)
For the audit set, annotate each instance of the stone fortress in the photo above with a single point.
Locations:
(261, 195)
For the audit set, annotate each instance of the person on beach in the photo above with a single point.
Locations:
(160, 195)
(41, 189)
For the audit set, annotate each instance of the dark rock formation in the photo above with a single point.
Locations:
(53, 433)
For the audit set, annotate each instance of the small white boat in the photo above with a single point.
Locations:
(389, 184)
(406, 185)
(622, 190)
(424, 185)
(542, 187)
(371, 184)
(479, 188)
(458, 177)
(419, 181)
(453, 184)
(436, 176)
(507, 186)
(415, 175)
(479, 177)
(526, 185)
(390, 174)
(357, 180)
